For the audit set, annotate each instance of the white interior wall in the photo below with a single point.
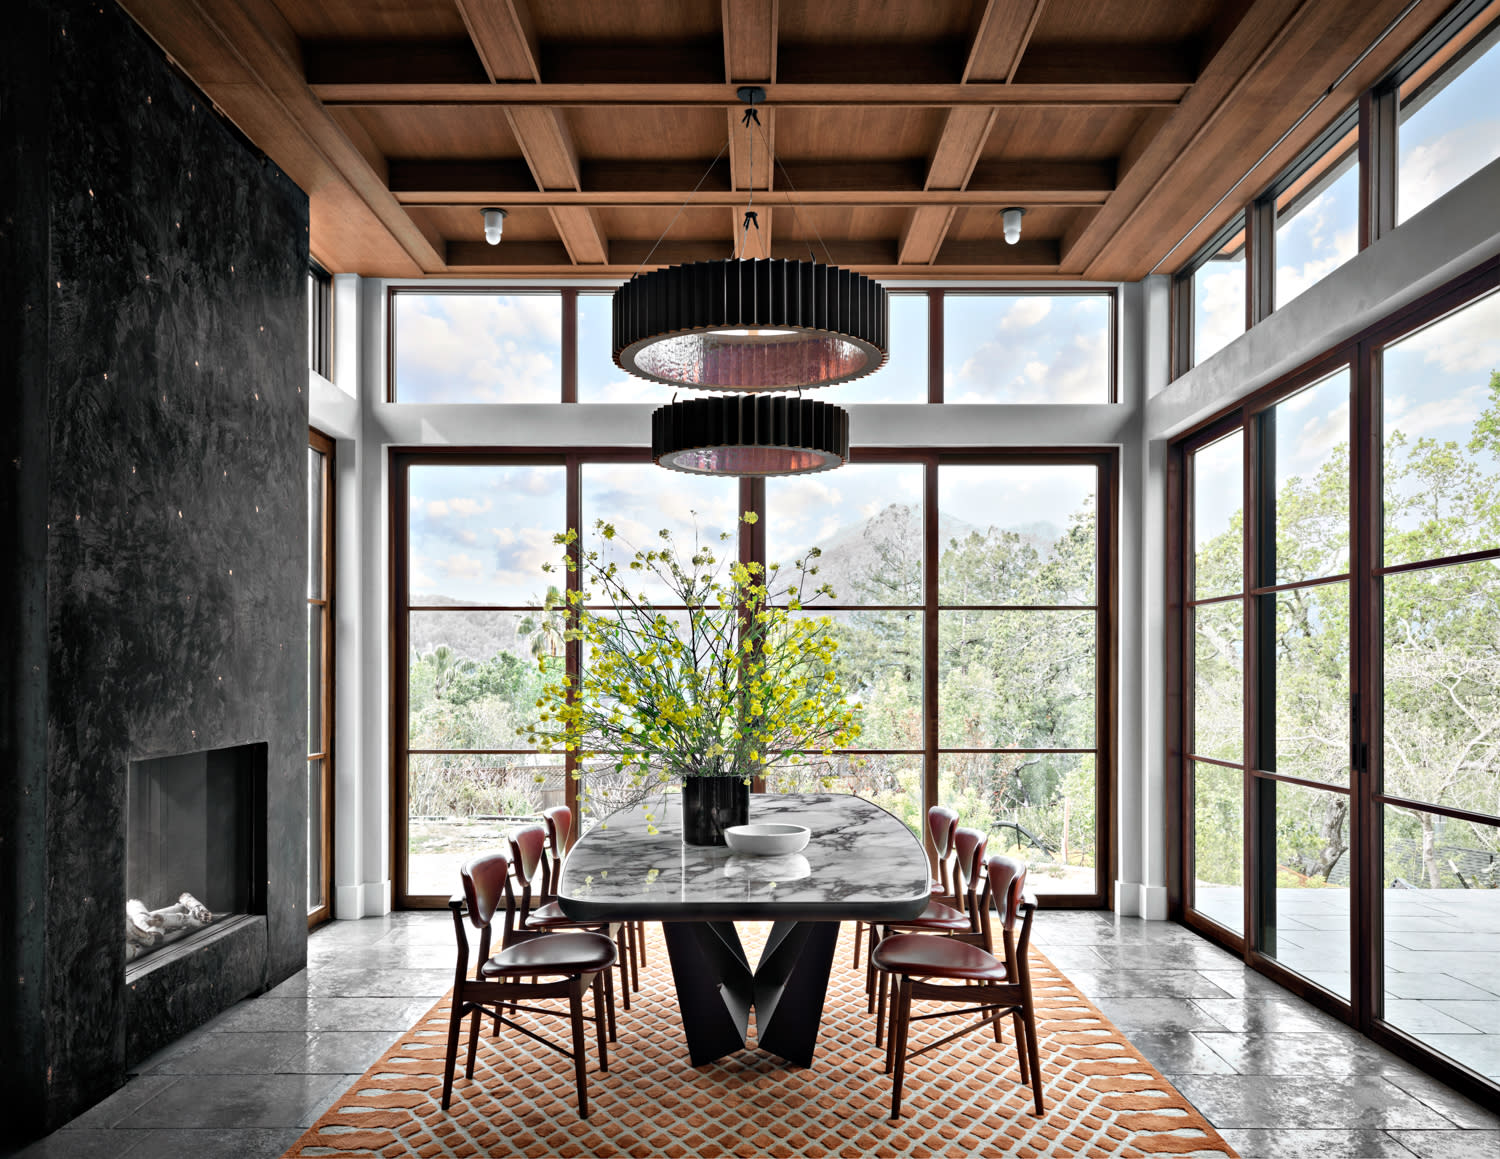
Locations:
(1455, 233)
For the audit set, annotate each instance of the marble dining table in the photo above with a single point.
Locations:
(860, 864)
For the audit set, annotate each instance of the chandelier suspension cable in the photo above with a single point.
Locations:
(750, 115)
(776, 162)
(681, 207)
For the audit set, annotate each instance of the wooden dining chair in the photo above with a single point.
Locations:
(540, 914)
(965, 921)
(942, 823)
(559, 821)
(950, 970)
(563, 965)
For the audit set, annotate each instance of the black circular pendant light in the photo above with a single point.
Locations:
(753, 325)
(750, 435)
(757, 326)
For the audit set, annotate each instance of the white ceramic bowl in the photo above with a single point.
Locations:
(768, 839)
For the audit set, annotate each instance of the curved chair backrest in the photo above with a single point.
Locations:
(941, 823)
(970, 845)
(486, 885)
(1008, 887)
(526, 847)
(559, 820)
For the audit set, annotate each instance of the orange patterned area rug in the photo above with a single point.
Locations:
(1102, 1098)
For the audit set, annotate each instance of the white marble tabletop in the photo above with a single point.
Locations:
(861, 863)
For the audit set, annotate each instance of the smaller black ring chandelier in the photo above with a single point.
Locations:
(753, 325)
(750, 435)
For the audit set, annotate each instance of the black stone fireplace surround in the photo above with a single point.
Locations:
(152, 591)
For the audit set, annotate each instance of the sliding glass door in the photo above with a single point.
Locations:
(1338, 681)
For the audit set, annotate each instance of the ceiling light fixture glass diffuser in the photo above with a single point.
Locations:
(750, 435)
(751, 324)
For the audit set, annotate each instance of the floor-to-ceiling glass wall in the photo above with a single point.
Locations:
(1338, 558)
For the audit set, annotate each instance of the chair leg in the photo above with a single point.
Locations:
(622, 953)
(635, 956)
(640, 941)
(1029, 1014)
(599, 1018)
(859, 928)
(870, 970)
(879, 1002)
(455, 1027)
(900, 1023)
(580, 1064)
(609, 1001)
(473, 1043)
(890, 1040)
(1020, 1029)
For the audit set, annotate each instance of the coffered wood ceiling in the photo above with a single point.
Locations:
(900, 128)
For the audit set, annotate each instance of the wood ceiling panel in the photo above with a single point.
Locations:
(646, 223)
(362, 20)
(648, 133)
(435, 134)
(839, 134)
(832, 21)
(1057, 133)
(1125, 21)
(635, 20)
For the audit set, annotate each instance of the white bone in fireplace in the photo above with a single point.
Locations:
(147, 930)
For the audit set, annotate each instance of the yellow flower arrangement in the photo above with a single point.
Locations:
(736, 684)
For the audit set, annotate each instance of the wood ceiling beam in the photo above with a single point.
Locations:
(750, 28)
(1000, 41)
(876, 183)
(246, 58)
(1081, 92)
(964, 133)
(1277, 48)
(505, 38)
(1042, 182)
(552, 158)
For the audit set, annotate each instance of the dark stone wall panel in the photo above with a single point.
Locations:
(176, 514)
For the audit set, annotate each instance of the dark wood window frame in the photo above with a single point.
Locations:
(324, 445)
(320, 320)
(1362, 355)
(1106, 461)
(568, 356)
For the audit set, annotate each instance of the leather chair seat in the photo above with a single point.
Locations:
(937, 917)
(551, 917)
(557, 954)
(923, 956)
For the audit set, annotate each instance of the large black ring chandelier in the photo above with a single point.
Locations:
(757, 326)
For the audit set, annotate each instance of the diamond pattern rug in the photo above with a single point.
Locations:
(965, 1099)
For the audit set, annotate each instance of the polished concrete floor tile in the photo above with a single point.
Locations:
(251, 1052)
(1458, 1109)
(262, 1100)
(1311, 1054)
(1147, 984)
(1264, 1143)
(1285, 1014)
(1280, 1101)
(120, 1105)
(1174, 1052)
(1450, 1144)
(215, 1143)
(1155, 1014)
(83, 1143)
(330, 1013)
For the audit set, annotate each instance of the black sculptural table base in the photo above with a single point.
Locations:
(716, 988)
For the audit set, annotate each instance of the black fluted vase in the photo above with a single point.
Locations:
(712, 804)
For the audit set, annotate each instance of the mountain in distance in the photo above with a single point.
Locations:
(890, 541)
